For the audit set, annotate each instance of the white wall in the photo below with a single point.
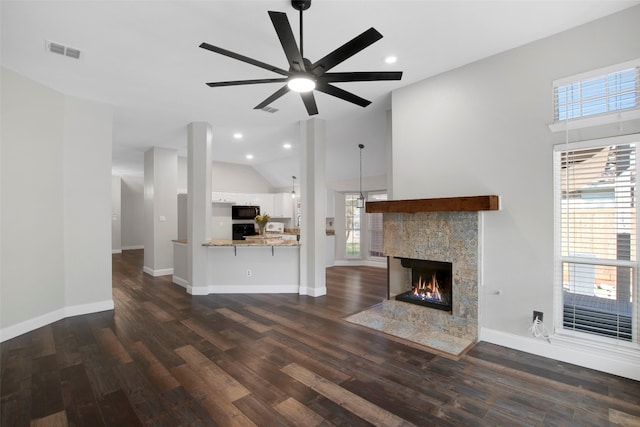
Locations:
(87, 202)
(116, 214)
(229, 178)
(482, 129)
(132, 212)
(160, 209)
(45, 260)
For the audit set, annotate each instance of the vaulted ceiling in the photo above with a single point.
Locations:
(143, 58)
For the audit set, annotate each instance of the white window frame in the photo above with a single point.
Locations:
(361, 218)
(570, 336)
(603, 118)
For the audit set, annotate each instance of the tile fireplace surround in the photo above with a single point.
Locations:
(444, 235)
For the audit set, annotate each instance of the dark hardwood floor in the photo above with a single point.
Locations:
(165, 358)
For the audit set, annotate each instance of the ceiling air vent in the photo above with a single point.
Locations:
(61, 49)
(269, 109)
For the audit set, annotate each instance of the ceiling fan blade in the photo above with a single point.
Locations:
(245, 82)
(345, 51)
(243, 58)
(342, 94)
(287, 40)
(361, 76)
(309, 102)
(277, 94)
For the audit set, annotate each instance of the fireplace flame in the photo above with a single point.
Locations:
(428, 290)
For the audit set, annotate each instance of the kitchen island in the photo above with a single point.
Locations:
(256, 265)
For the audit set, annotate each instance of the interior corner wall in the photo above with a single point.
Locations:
(44, 264)
(132, 210)
(116, 214)
(482, 129)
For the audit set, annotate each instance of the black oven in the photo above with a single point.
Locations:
(244, 212)
(241, 230)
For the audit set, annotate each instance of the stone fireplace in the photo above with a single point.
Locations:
(435, 233)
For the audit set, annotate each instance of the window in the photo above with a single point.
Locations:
(605, 93)
(376, 244)
(352, 225)
(596, 238)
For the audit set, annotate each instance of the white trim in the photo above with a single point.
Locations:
(312, 292)
(129, 248)
(156, 273)
(180, 281)
(578, 352)
(116, 251)
(602, 119)
(53, 316)
(197, 290)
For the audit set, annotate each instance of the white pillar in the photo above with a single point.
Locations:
(198, 205)
(313, 224)
(160, 209)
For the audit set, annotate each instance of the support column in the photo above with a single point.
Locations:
(313, 224)
(160, 209)
(198, 205)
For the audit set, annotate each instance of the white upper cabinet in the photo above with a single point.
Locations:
(282, 205)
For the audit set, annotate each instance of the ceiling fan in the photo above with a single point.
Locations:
(303, 76)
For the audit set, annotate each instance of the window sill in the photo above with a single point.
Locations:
(621, 116)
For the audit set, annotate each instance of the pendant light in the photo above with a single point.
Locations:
(361, 198)
(293, 187)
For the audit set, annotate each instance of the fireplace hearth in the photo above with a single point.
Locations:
(429, 284)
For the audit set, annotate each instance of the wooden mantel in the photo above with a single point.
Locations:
(446, 204)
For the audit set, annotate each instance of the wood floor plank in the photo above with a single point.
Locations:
(220, 409)
(163, 357)
(298, 414)
(58, 419)
(157, 373)
(213, 337)
(211, 374)
(354, 403)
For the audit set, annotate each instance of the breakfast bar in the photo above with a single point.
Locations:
(255, 265)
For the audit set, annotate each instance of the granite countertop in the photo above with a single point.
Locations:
(256, 241)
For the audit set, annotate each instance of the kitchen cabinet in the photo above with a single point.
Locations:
(222, 197)
(282, 205)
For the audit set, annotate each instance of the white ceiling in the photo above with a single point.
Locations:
(142, 57)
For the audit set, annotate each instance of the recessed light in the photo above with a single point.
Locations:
(390, 59)
(286, 145)
(237, 135)
(249, 156)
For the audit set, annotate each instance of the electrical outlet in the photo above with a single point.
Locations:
(249, 273)
(539, 315)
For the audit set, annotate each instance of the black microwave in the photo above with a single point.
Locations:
(244, 212)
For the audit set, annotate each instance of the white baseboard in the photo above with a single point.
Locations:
(156, 273)
(312, 292)
(129, 248)
(624, 364)
(253, 289)
(116, 251)
(53, 316)
(180, 281)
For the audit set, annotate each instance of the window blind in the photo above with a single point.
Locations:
(596, 238)
(597, 94)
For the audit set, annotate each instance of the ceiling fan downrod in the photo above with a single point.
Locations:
(301, 5)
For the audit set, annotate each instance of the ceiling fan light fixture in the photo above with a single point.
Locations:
(301, 84)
